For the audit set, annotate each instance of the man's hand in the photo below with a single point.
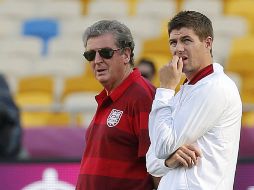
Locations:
(186, 156)
(170, 74)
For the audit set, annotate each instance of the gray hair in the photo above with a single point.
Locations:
(121, 33)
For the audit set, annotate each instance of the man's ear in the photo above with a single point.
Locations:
(209, 42)
(127, 55)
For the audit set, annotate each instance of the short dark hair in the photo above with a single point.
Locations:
(121, 32)
(201, 25)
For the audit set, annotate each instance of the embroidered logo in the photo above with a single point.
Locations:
(114, 117)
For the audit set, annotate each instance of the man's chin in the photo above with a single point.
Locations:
(101, 79)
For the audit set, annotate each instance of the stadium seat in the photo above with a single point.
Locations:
(248, 119)
(35, 96)
(44, 29)
(248, 88)
(241, 56)
(141, 27)
(84, 5)
(21, 47)
(156, 9)
(74, 29)
(61, 9)
(79, 84)
(230, 26)
(9, 28)
(15, 66)
(67, 46)
(78, 95)
(81, 105)
(35, 91)
(158, 45)
(157, 50)
(18, 10)
(237, 78)
(49, 118)
(210, 8)
(60, 65)
(241, 8)
(221, 49)
(108, 9)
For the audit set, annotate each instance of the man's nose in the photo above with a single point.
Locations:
(179, 47)
(98, 58)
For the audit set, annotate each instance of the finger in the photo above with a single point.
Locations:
(180, 64)
(189, 155)
(185, 155)
(196, 149)
(193, 155)
(182, 161)
(174, 61)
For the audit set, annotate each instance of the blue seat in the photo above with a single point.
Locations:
(41, 28)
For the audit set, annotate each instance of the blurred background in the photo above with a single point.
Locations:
(51, 83)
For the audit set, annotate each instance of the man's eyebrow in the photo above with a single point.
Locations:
(171, 40)
(187, 36)
(182, 37)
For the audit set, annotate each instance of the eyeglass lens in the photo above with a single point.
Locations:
(106, 53)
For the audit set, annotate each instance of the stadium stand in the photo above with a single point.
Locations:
(56, 92)
(146, 18)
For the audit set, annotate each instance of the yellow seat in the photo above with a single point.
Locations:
(247, 91)
(158, 45)
(35, 90)
(248, 82)
(84, 83)
(164, 28)
(49, 119)
(241, 56)
(242, 8)
(247, 97)
(157, 49)
(132, 7)
(84, 4)
(248, 119)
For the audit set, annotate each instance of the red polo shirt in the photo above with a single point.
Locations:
(117, 139)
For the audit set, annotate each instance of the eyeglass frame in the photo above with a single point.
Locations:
(111, 51)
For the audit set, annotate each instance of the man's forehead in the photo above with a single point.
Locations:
(182, 32)
(105, 40)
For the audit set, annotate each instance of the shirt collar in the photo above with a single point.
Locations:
(201, 74)
(118, 91)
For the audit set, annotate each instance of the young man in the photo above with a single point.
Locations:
(205, 113)
(117, 138)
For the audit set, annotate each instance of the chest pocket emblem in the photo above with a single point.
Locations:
(114, 117)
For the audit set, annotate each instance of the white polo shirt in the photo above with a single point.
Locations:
(207, 114)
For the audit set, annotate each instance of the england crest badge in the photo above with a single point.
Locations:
(114, 117)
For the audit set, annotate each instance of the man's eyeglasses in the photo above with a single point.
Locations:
(106, 53)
